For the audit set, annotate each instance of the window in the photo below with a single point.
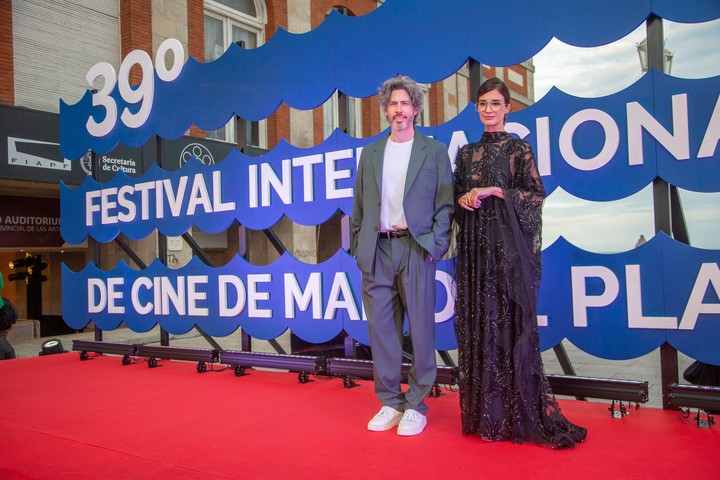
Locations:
(240, 22)
(342, 111)
(424, 116)
(245, 6)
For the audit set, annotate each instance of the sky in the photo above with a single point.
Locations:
(610, 227)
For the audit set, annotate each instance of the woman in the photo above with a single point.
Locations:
(504, 394)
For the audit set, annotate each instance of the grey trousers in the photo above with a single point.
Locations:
(402, 283)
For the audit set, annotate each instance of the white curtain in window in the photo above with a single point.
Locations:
(249, 39)
(213, 38)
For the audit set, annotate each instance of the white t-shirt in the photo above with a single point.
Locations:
(395, 165)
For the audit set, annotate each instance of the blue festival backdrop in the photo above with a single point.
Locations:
(615, 306)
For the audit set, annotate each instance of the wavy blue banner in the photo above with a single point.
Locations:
(598, 149)
(611, 147)
(612, 306)
(348, 54)
(626, 305)
(316, 302)
(307, 185)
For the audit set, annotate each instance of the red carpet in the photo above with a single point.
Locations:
(63, 418)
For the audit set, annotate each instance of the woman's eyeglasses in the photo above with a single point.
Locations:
(494, 106)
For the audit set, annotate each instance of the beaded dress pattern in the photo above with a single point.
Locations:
(504, 394)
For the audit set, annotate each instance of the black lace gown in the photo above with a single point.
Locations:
(504, 394)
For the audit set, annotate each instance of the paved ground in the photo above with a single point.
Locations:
(646, 368)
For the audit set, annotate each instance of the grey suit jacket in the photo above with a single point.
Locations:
(428, 202)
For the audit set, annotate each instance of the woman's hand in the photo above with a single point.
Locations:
(473, 199)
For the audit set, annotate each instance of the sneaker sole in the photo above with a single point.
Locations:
(383, 428)
(410, 432)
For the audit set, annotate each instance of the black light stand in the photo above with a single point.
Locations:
(615, 390)
(303, 364)
(705, 399)
(350, 369)
(51, 347)
(610, 389)
(201, 355)
(127, 350)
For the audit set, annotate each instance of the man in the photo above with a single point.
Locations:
(401, 227)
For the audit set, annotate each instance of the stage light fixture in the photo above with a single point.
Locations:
(127, 350)
(350, 369)
(610, 389)
(201, 355)
(705, 399)
(303, 364)
(616, 390)
(51, 347)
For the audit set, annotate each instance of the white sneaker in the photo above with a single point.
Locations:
(412, 423)
(385, 419)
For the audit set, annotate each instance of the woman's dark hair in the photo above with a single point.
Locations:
(493, 84)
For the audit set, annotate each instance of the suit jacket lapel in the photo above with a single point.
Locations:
(377, 162)
(417, 156)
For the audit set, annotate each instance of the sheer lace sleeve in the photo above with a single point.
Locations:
(527, 193)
